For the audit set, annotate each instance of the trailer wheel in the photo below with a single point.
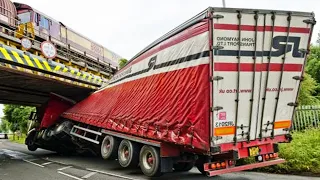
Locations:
(150, 161)
(63, 127)
(30, 141)
(199, 165)
(47, 134)
(109, 147)
(183, 167)
(128, 154)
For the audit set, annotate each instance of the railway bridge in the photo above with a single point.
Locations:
(40, 56)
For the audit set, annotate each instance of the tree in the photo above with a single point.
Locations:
(122, 63)
(307, 92)
(318, 39)
(4, 126)
(17, 116)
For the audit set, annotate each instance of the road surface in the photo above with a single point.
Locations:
(17, 163)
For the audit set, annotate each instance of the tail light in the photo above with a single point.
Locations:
(271, 156)
(218, 165)
(223, 165)
(275, 155)
(267, 157)
(231, 163)
(213, 166)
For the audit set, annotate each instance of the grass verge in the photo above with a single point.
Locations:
(302, 155)
(17, 139)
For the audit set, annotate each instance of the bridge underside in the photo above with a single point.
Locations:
(17, 87)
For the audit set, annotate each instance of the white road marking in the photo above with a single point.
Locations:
(46, 163)
(32, 163)
(64, 168)
(47, 159)
(110, 174)
(32, 159)
(74, 177)
(89, 175)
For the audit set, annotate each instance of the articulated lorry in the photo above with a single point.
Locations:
(220, 87)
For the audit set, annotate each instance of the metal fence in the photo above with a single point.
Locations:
(306, 117)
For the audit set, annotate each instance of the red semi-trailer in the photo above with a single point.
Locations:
(220, 87)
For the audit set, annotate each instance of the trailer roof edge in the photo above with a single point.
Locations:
(202, 15)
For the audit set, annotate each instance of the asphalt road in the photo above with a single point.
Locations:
(17, 163)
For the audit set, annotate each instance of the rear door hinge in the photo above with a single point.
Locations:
(217, 16)
(216, 78)
(310, 21)
(298, 78)
(217, 47)
(217, 108)
(294, 104)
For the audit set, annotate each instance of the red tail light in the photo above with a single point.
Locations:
(218, 165)
(223, 165)
(275, 155)
(267, 157)
(271, 156)
(213, 166)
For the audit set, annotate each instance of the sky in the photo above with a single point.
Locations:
(127, 26)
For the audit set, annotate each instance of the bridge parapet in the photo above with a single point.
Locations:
(26, 62)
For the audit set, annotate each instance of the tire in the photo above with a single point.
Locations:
(63, 127)
(150, 161)
(30, 141)
(128, 154)
(32, 147)
(109, 147)
(199, 165)
(183, 167)
(47, 135)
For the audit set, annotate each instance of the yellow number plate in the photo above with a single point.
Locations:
(254, 151)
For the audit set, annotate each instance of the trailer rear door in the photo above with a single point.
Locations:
(258, 60)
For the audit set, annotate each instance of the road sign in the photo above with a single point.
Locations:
(26, 43)
(48, 49)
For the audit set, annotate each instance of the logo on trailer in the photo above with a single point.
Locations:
(280, 45)
(26, 43)
(48, 50)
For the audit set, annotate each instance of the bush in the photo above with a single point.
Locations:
(302, 155)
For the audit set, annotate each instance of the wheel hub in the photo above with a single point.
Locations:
(150, 160)
(126, 153)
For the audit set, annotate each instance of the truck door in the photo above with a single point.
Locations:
(257, 67)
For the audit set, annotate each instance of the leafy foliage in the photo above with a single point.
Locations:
(313, 63)
(4, 126)
(17, 117)
(308, 91)
(302, 154)
(122, 63)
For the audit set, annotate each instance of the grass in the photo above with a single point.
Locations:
(17, 139)
(302, 155)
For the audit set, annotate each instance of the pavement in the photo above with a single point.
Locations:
(17, 163)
